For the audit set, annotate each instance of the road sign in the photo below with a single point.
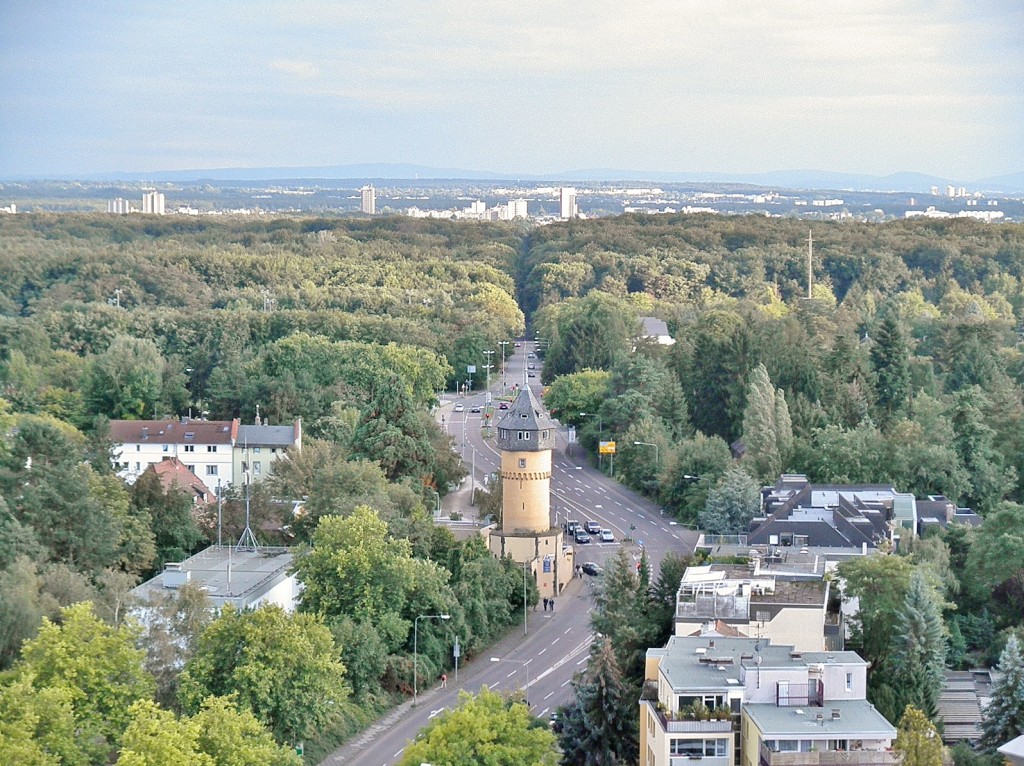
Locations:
(457, 650)
(607, 448)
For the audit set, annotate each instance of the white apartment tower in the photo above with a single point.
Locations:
(153, 203)
(567, 202)
(516, 209)
(368, 200)
(118, 206)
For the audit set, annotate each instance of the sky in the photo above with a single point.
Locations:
(737, 86)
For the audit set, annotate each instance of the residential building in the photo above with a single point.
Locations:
(119, 206)
(516, 209)
(368, 200)
(245, 577)
(153, 203)
(729, 700)
(259, 446)
(173, 474)
(656, 330)
(203, 446)
(795, 512)
(785, 604)
(567, 203)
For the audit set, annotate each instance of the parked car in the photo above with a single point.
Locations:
(582, 538)
(460, 407)
(531, 355)
(572, 526)
(590, 568)
(593, 527)
(531, 366)
(607, 536)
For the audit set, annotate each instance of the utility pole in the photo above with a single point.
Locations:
(488, 353)
(810, 262)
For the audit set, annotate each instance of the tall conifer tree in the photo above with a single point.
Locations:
(1003, 718)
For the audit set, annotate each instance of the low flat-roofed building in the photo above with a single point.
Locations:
(243, 577)
(786, 606)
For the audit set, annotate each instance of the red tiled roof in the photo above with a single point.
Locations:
(174, 474)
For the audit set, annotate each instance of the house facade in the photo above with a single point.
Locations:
(203, 446)
(258, 447)
(749, 701)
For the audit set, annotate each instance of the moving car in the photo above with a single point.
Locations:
(582, 538)
(531, 366)
(460, 407)
(475, 408)
(531, 374)
(593, 527)
(503, 406)
(590, 568)
(531, 355)
(607, 536)
(572, 526)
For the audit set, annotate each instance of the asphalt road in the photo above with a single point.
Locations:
(556, 644)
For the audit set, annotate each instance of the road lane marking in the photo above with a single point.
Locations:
(435, 712)
(583, 660)
(549, 694)
(542, 651)
(512, 674)
(567, 682)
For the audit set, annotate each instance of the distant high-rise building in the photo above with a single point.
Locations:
(517, 209)
(368, 201)
(153, 203)
(567, 202)
(119, 206)
(950, 191)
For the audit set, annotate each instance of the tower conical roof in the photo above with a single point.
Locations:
(526, 425)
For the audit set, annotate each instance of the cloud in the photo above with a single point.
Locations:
(301, 70)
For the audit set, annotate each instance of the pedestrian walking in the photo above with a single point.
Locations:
(551, 603)
(545, 604)
(444, 680)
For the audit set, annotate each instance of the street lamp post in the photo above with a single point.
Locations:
(657, 459)
(502, 343)
(415, 648)
(437, 502)
(488, 353)
(525, 664)
(524, 598)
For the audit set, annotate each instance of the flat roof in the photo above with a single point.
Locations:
(696, 663)
(226, 574)
(857, 719)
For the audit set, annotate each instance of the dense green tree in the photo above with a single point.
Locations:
(692, 468)
(918, 656)
(594, 332)
(21, 607)
(995, 561)
(620, 615)
(483, 728)
(98, 666)
(155, 737)
(890, 360)
(600, 726)
(391, 432)
(917, 740)
(661, 609)
(767, 429)
(717, 379)
(234, 737)
(1003, 718)
(880, 584)
(176, 534)
(974, 442)
(125, 382)
(573, 393)
(282, 667)
(731, 503)
(37, 726)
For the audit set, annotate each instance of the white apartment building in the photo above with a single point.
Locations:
(368, 200)
(204, 446)
(153, 203)
(728, 700)
(119, 206)
(516, 209)
(567, 203)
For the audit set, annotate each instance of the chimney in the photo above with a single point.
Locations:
(257, 414)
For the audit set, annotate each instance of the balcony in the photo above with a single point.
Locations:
(705, 760)
(830, 758)
(681, 725)
(799, 695)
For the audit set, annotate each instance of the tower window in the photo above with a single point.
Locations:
(522, 462)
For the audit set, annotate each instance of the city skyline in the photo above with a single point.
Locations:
(879, 88)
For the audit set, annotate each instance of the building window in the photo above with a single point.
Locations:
(256, 450)
(211, 447)
(522, 462)
(526, 435)
(167, 447)
(256, 467)
(138, 467)
(761, 616)
(697, 748)
(192, 468)
(849, 682)
(545, 433)
(138, 448)
(211, 470)
(273, 450)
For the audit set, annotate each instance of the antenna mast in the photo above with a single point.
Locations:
(810, 263)
(248, 540)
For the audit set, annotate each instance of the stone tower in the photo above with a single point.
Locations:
(526, 437)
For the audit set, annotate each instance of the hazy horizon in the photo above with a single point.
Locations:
(672, 86)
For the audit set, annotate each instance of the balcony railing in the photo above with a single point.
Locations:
(799, 695)
(682, 726)
(830, 758)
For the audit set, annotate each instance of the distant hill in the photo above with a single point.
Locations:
(1011, 183)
